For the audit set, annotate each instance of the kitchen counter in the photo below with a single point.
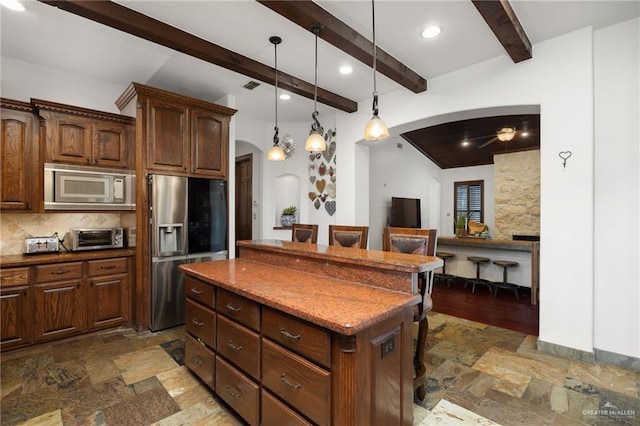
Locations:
(526, 253)
(13, 260)
(338, 305)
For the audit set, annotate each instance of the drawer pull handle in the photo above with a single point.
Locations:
(233, 308)
(196, 291)
(108, 267)
(284, 380)
(196, 322)
(237, 394)
(234, 347)
(197, 360)
(61, 271)
(288, 335)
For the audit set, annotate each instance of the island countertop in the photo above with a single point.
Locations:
(341, 306)
(368, 258)
(516, 245)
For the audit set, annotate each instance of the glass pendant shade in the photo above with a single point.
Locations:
(276, 153)
(506, 134)
(376, 129)
(315, 142)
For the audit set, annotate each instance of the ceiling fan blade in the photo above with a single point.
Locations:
(490, 141)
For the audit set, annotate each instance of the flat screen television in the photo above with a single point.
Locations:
(405, 212)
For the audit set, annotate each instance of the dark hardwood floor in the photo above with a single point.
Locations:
(501, 311)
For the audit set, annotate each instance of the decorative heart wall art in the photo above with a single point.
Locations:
(312, 195)
(331, 190)
(321, 164)
(316, 204)
(330, 207)
(322, 169)
(312, 179)
(328, 153)
(320, 185)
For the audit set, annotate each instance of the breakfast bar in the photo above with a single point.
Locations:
(294, 333)
(526, 253)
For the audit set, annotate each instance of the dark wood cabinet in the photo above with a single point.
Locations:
(108, 298)
(209, 143)
(59, 309)
(15, 308)
(168, 136)
(18, 157)
(81, 136)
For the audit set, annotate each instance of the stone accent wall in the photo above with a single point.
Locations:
(517, 194)
(15, 227)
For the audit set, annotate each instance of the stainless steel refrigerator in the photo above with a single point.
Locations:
(188, 223)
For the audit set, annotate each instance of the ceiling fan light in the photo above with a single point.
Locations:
(315, 142)
(506, 134)
(376, 129)
(276, 153)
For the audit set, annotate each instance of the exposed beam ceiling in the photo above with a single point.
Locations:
(306, 13)
(138, 24)
(505, 25)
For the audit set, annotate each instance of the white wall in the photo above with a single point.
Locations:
(617, 189)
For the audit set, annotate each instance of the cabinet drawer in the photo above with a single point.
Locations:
(199, 359)
(107, 266)
(237, 390)
(58, 271)
(297, 381)
(241, 309)
(306, 339)
(240, 345)
(14, 277)
(275, 413)
(200, 291)
(200, 322)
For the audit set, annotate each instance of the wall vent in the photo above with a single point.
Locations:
(251, 85)
(398, 145)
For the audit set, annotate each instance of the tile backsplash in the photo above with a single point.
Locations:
(15, 227)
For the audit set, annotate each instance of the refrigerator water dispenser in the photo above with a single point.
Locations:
(171, 238)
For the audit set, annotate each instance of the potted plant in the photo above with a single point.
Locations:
(461, 225)
(288, 217)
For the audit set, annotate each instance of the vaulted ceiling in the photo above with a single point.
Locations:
(208, 49)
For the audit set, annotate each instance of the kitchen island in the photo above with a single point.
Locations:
(526, 253)
(315, 348)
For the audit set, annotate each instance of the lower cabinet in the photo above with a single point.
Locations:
(273, 368)
(50, 301)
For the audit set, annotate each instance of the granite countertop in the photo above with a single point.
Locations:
(516, 245)
(14, 260)
(374, 258)
(341, 306)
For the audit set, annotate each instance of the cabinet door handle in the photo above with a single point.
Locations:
(233, 308)
(196, 322)
(197, 360)
(288, 335)
(234, 347)
(195, 290)
(56, 290)
(284, 380)
(237, 394)
(61, 271)
(108, 267)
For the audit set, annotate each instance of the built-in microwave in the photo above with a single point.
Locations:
(69, 187)
(96, 238)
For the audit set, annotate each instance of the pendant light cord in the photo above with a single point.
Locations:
(375, 60)
(275, 49)
(315, 88)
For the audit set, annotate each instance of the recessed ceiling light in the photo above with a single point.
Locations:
(13, 5)
(285, 96)
(524, 133)
(345, 70)
(465, 143)
(431, 32)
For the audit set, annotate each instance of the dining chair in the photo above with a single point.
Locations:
(348, 236)
(304, 233)
(421, 242)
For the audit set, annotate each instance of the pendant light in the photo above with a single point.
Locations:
(315, 141)
(376, 129)
(276, 153)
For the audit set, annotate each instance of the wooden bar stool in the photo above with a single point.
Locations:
(448, 278)
(505, 284)
(478, 260)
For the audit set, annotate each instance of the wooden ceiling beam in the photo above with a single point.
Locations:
(504, 23)
(307, 13)
(124, 19)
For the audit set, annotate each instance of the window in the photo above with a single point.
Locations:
(469, 200)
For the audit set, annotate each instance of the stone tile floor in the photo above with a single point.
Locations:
(477, 375)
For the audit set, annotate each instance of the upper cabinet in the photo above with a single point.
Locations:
(18, 157)
(86, 137)
(179, 134)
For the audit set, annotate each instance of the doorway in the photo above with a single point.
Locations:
(244, 198)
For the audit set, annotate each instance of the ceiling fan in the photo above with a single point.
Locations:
(503, 134)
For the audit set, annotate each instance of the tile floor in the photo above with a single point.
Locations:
(477, 375)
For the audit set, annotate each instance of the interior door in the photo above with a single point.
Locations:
(244, 198)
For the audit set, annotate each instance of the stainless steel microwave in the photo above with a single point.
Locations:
(96, 238)
(88, 188)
